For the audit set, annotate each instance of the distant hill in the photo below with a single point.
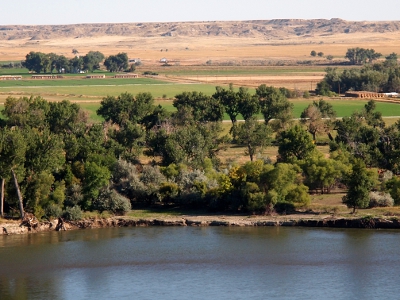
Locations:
(266, 29)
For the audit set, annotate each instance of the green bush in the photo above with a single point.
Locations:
(284, 207)
(53, 211)
(72, 213)
(110, 200)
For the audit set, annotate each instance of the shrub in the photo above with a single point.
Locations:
(118, 204)
(110, 200)
(284, 207)
(380, 200)
(257, 202)
(53, 211)
(168, 191)
(393, 186)
(150, 73)
(72, 213)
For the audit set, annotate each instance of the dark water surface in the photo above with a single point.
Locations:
(201, 263)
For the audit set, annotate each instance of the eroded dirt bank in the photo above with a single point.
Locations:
(13, 227)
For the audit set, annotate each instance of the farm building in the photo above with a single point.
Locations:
(127, 75)
(96, 76)
(364, 94)
(47, 76)
(10, 77)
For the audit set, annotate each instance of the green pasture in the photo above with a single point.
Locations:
(344, 108)
(214, 70)
(37, 83)
(14, 71)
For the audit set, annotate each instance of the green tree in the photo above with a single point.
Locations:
(358, 56)
(203, 108)
(249, 105)
(76, 64)
(126, 107)
(117, 63)
(274, 104)
(359, 182)
(92, 60)
(316, 115)
(61, 64)
(186, 144)
(322, 173)
(95, 179)
(392, 56)
(229, 100)
(37, 62)
(254, 135)
(13, 148)
(26, 112)
(294, 144)
(313, 53)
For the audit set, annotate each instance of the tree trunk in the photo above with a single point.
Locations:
(21, 205)
(2, 198)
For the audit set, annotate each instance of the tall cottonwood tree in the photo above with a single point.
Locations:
(274, 104)
(254, 135)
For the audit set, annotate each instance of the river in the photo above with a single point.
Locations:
(201, 263)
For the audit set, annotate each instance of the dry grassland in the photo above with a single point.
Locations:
(195, 52)
(198, 50)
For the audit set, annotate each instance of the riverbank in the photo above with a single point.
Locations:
(304, 220)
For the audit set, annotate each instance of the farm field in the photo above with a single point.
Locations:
(344, 108)
(72, 82)
(95, 92)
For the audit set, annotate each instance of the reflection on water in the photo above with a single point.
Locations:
(201, 263)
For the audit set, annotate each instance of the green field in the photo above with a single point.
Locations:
(344, 108)
(36, 83)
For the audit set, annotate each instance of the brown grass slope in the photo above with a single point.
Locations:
(269, 29)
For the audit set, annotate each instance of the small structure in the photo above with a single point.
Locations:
(392, 95)
(127, 75)
(364, 94)
(164, 60)
(95, 76)
(47, 76)
(10, 77)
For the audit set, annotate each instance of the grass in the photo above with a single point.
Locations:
(158, 90)
(79, 82)
(237, 70)
(344, 108)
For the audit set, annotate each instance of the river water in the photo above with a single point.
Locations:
(201, 263)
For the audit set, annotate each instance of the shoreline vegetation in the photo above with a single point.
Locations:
(55, 164)
(14, 227)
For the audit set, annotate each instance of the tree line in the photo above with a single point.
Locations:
(374, 77)
(53, 162)
(40, 62)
